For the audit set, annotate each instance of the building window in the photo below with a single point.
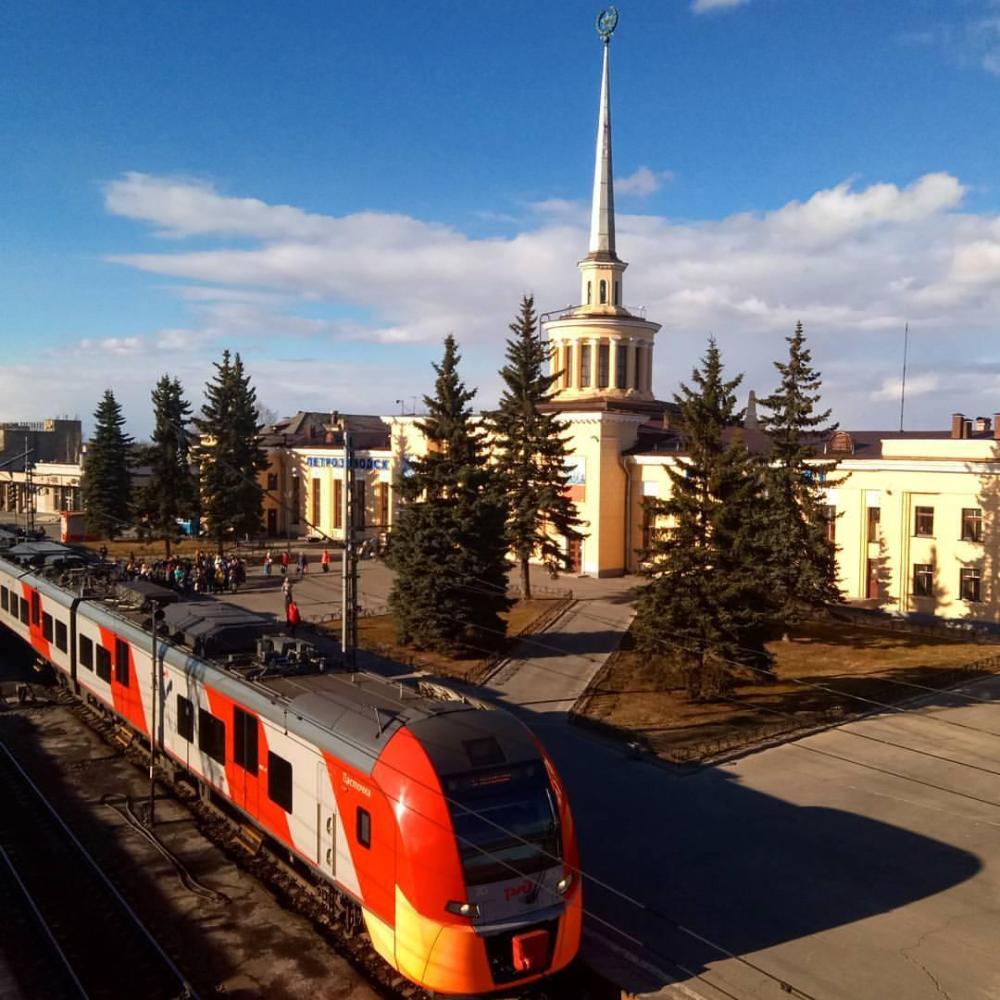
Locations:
(617, 293)
(358, 514)
(364, 827)
(621, 365)
(874, 519)
(604, 292)
(382, 504)
(279, 781)
(245, 740)
(970, 584)
(972, 524)
(61, 639)
(212, 736)
(589, 291)
(272, 481)
(315, 503)
(923, 522)
(923, 580)
(637, 374)
(86, 652)
(47, 627)
(603, 363)
(828, 512)
(585, 366)
(338, 503)
(103, 664)
(296, 500)
(568, 367)
(185, 718)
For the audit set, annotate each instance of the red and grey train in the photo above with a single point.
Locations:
(444, 823)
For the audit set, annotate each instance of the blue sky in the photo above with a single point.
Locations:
(332, 188)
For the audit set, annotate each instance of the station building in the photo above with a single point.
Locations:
(915, 515)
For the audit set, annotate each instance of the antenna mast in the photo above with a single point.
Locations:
(902, 390)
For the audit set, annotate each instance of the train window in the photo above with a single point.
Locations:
(4, 599)
(121, 662)
(61, 639)
(279, 781)
(24, 611)
(103, 663)
(245, 740)
(484, 752)
(364, 827)
(86, 652)
(212, 736)
(13, 604)
(36, 608)
(185, 718)
(47, 627)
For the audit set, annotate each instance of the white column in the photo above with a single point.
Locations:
(649, 368)
(595, 345)
(629, 362)
(613, 362)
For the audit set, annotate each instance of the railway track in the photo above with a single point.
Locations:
(93, 943)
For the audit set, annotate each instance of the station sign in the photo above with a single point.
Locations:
(337, 462)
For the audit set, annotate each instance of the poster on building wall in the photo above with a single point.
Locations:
(576, 470)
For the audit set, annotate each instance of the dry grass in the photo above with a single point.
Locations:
(378, 633)
(644, 695)
(123, 548)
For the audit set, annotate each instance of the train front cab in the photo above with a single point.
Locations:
(496, 913)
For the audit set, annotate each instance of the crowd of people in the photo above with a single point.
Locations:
(203, 574)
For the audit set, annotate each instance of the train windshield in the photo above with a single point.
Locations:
(505, 822)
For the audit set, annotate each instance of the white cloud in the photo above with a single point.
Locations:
(703, 6)
(919, 385)
(853, 262)
(642, 182)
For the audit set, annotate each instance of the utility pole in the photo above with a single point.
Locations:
(152, 724)
(349, 564)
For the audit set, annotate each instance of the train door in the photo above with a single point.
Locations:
(326, 823)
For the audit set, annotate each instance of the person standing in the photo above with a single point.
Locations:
(292, 617)
(325, 560)
(267, 563)
(286, 590)
(284, 562)
(303, 562)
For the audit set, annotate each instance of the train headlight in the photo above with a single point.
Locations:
(565, 883)
(462, 909)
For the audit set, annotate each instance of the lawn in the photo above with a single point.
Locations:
(123, 548)
(643, 695)
(378, 633)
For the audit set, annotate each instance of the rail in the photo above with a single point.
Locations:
(100, 939)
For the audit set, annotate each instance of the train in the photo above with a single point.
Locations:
(433, 821)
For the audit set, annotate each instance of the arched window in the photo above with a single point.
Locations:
(589, 284)
(604, 292)
(618, 293)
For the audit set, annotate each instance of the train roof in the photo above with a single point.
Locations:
(353, 715)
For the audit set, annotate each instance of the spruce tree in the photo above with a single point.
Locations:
(170, 494)
(107, 482)
(230, 456)
(803, 574)
(448, 545)
(704, 607)
(530, 449)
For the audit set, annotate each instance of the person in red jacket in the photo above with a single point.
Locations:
(292, 617)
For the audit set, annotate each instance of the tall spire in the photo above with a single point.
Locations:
(602, 217)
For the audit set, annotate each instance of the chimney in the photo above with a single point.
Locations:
(967, 428)
(982, 425)
(958, 425)
(996, 426)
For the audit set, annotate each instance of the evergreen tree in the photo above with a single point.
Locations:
(530, 452)
(704, 602)
(107, 482)
(803, 573)
(230, 455)
(449, 546)
(170, 493)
